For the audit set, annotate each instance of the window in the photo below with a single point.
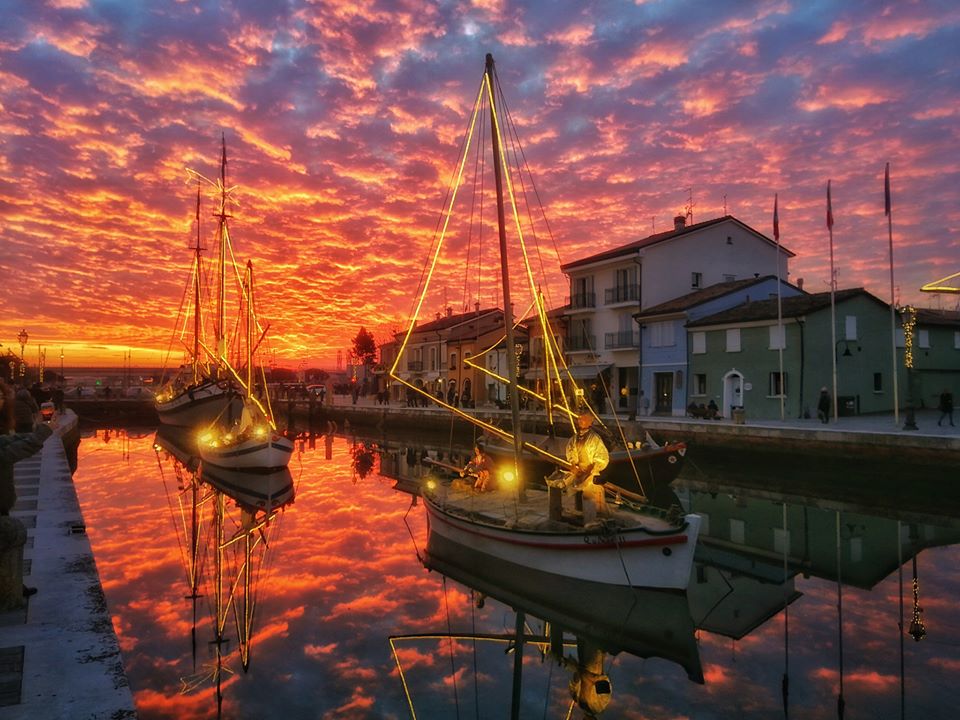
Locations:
(851, 328)
(737, 531)
(699, 343)
(729, 278)
(778, 337)
(699, 384)
(956, 340)
(696, 280)
(923, 338)
(733, 340)
(453, 361)
(661, 334)
(900, 338)
(781, 541)
(777, 385)
(878, 382)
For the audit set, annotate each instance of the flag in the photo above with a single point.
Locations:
(776, 219)
(886, 190)
(829, 208)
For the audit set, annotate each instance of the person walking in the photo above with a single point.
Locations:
(823, 406)
(945, 407)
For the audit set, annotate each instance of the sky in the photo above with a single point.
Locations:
(343, 123)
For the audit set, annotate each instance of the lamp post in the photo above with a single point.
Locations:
(22, 338)
(909, 322)
(62, 379)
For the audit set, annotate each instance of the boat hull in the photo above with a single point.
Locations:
(635, 556)
(199, 405)
(270, 452)
(266, 491)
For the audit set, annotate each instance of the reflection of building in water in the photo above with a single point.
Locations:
(224, 519)
(580, 625)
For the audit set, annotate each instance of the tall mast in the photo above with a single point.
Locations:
(249, 328)
(196, 295)
(505, 273)
(222, 232)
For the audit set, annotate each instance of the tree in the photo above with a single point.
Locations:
(365, 347)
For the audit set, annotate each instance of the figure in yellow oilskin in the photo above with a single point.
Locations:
(588, 457)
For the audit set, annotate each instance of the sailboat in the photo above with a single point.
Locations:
(199, 391)
(252, 441)
(634, 545)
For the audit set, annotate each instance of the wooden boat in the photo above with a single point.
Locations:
(633, 545)
(253, 440)
(200, 391)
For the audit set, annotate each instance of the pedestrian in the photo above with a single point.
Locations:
(823, 406)
(14, 447)
(945, 407)
(25, 411)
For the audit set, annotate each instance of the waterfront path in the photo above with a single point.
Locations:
(59, 656)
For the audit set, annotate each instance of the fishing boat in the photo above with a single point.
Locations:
(200, 391)
(252, 441)
(632, 544)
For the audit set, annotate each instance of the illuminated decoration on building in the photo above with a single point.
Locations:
(909, 322)
(917, 629)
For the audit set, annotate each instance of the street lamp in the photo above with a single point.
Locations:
(22, 338)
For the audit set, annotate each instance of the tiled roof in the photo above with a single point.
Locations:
(698, 297)
(448, 321)
(631, 248)
(790, 307)
(932, 316)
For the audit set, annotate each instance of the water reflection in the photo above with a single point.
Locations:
(224, 520)
(344, 574)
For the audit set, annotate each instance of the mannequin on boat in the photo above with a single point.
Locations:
(588, 457)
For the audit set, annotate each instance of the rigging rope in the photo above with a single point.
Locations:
(453, 672)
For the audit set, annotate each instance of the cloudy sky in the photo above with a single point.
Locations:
(343, 123)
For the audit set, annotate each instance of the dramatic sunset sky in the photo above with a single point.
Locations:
(343, 122)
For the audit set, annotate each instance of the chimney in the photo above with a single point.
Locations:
(449, 312)
(679, 222)
(800, 283)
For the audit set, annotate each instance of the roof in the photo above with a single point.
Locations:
(448, 321)
(795, 306)
(699, 297)
(656, 238)
(487, 323)
(932, 316)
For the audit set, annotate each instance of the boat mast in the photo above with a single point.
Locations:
(505, 273)
(249, 328)
(196, 296)
(222, 232)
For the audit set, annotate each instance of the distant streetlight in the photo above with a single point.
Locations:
(22, 338)
(62, 379)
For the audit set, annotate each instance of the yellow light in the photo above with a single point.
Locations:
(260, 431)
(508, 476)
(206, 437)
(431, 485)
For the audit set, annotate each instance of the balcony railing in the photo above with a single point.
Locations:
(415, 365)
(621, 293)
(580, 301)
(622, 339)
(581, 342)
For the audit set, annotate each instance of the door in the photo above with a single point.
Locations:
(732, 392)
(628, 389)
(663, 382)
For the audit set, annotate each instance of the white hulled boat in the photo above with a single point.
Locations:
(633, 544)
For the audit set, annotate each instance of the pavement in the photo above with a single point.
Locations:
(59, 656)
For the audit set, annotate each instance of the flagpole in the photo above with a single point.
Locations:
(781, 340)
(888, 211)
(833, 307)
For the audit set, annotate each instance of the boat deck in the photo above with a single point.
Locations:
(503, 508)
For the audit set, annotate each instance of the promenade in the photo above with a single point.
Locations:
(59, 656)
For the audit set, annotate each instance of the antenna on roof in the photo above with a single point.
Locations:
(689, 208)
(653, 223)
(724, 204)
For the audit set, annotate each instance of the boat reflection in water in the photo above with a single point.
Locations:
(224, 518)
(577, 624)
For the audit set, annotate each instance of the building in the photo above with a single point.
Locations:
(664, 352)
(935, 352)
(735, 356)
(608, 288)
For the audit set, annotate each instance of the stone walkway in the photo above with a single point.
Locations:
(59, 656)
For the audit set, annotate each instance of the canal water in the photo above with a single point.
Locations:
(323, 608)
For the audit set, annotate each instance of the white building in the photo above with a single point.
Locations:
(608, 288)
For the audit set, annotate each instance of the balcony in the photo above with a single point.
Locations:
(621, 294)
(577, 343)
(582, 301)
(414, 365)
(622, 339)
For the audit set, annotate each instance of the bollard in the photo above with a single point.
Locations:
(13, 536)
